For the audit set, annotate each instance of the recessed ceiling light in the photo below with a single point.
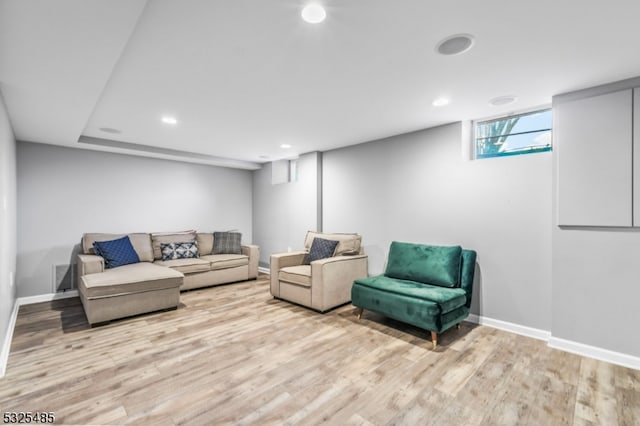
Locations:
(455, 44)
(110, 130)
(285, 146)
(313, 13)
(440, 102)
(169, 120)
(502, 100)
(264, 157)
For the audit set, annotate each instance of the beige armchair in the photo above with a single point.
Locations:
(325, 283)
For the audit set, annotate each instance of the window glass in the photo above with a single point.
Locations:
(513, 135)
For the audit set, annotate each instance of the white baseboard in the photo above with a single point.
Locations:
(264, 270)
(595, 352)
(46, 297)
(536, 333)
(606, 355)
(6, 345)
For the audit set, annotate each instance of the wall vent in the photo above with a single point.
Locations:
(63, 278)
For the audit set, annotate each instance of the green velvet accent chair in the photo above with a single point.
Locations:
(423, 285)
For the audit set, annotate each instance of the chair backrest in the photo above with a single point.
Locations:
(467, 272)
(347, 243)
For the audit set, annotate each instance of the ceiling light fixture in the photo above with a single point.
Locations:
(285, 146)
(110, 130)
(169, 120)
(455, 44)
(313, 13)
(440, 102)
(502, 100)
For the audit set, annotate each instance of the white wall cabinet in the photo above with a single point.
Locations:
(594, 139)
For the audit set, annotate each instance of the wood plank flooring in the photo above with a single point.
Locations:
(233, 355)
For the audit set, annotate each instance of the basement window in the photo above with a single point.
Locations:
(525, 133)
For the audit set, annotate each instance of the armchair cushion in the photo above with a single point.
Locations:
(436, 265)
(297, 274)
(320, 249)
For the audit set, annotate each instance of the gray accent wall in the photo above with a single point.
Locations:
(65, 192)
(7, 226)
(284, 212)
(422, 187)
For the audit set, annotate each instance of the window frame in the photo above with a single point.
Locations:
(520, 113)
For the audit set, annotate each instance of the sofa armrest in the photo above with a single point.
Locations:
(282, 260)
(332, 278)
(253, 251)
(89, 264)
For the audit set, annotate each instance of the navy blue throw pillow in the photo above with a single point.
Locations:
(320, 249)
(116, 252)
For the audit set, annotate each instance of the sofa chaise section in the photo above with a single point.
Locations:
(127, 290)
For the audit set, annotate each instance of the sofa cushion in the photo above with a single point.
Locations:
(141, 243)
(224, 261)
(186, 266)
(436, 265)
(348, 244)
(128, 279)
(169, 237)
(320, 249)
(447, 299)
(227, 243)
(116, 252)
(172, 251)
(205, 243)
(300, 275)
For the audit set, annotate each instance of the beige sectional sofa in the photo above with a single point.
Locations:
(154, 284)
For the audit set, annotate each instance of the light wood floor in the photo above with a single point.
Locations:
(234, 355)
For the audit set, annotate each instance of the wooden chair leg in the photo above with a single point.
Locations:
(434, 339)
(359, 312)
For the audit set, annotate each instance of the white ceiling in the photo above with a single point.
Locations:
(245, 76)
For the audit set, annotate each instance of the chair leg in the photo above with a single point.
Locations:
(359, 312)
(434, 339)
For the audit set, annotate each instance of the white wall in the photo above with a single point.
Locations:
(65, 192)
(283, 213)
(419, 187)
(596, 287)
(7, 230)
(596, 270)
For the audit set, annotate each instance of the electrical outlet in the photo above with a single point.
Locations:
(288, 249)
